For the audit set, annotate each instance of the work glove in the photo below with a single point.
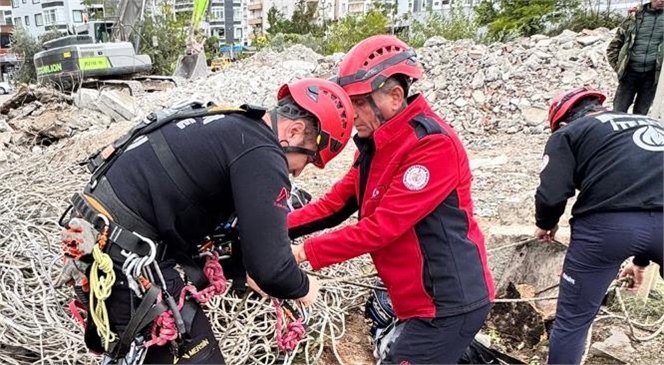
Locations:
(78, 239)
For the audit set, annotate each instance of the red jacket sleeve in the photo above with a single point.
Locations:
(329, 211)
(431, 173)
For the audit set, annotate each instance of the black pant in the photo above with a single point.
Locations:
(201, 347)
(640, 84)
(600, 243)
(435, 340)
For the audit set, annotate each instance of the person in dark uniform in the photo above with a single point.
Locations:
(615, 160)
(411, 183)
(176, 184)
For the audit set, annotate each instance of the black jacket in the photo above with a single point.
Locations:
(236, 165)
(615, 160)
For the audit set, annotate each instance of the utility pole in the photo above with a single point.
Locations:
(657, 110)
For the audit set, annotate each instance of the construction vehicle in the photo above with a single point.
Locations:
(100, 55)
(193, 64)
(219, 63)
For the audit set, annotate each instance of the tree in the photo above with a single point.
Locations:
(25, 46)
(277, 21)
(304, 18)
(522, 17)
(164, 40)
(352, 29)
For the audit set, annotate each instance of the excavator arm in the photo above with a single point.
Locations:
(193, 64)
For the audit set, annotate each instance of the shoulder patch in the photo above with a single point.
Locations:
(416, 177)
(425, 126)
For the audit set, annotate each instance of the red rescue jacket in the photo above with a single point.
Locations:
(412, 185)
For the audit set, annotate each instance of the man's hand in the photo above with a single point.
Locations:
(299, 253)
(636, 272)
(545, 235)
(312, 295)
(252, 284)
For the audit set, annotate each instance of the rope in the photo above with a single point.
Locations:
(165, 329)
(290, 337)
(102, 278)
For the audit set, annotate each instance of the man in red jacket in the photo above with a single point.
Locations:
(411, 183)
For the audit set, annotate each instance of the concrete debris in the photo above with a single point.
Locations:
(477, 88)
(616, 347)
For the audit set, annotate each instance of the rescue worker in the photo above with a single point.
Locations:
(411, 183)
(615, 161)
(636, 53)
(177, 183)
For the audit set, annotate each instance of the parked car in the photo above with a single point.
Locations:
(5, 88)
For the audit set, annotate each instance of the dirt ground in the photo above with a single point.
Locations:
(505, 177)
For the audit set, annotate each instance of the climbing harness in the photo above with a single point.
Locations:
(134, 249)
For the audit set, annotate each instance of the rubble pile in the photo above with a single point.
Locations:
(502, 87)
(479, 89)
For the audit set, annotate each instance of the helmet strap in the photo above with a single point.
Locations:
(374, 107)
(274, 120)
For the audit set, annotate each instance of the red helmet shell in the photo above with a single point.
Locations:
(332, 108)
(369, 63)
(564, 102)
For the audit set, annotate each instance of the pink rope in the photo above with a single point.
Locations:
(165, 329)
(288, 338)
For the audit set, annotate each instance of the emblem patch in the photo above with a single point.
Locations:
(416, 177)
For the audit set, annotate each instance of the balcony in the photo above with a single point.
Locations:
(255, 6)
(255, 21)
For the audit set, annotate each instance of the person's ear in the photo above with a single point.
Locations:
(296, 128)
(396, 97)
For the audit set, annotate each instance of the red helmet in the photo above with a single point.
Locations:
(369, 63)
(565, 101)
(332, 108)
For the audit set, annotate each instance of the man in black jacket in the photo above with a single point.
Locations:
(170, 188)
(616, 161)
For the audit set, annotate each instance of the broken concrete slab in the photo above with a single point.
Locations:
(5, 138)
(87, 99)
(117, 105)
(617, 347)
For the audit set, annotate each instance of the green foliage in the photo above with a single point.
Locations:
(164, 40)
(454, 26)
(302, 21)
(350, 30)
(522, 17)
(211, 47)
(588, 16)
(25, 46)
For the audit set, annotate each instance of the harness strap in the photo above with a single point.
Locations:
(173, 168)
(144, 315)
(120, 236)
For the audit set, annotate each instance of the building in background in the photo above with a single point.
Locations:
(226, 19)
(7, 60)
(39, 16)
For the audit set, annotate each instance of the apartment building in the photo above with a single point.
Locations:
(226, 19)
(39, 16)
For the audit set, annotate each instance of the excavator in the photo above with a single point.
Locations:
(105, 54)
(193, 64)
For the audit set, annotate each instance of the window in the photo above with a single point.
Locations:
(217, 14)
(238, 33)
(24, 1)
(237, 14)
(50, 17)
(27, 20)
(35, 1)
(17, 22)
(78, 16)
(39, 20)
(14, 3)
